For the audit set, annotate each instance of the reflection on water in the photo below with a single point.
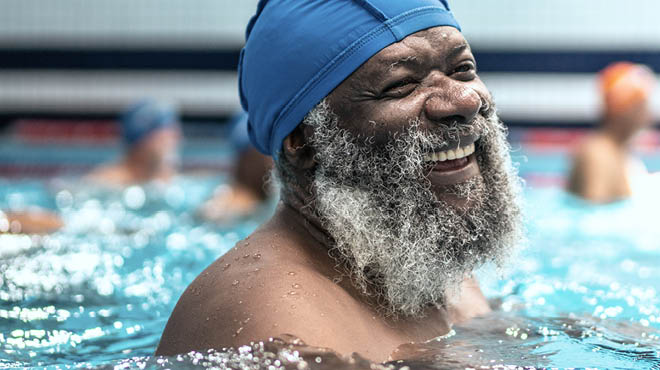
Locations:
(99, 291)
(511, 340)
(102, 288)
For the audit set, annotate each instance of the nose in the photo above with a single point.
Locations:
(452, 101)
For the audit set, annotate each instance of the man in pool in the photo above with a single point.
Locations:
(150, 133)
(604, 169)
(396, 183)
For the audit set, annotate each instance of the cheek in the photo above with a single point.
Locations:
(381, 119)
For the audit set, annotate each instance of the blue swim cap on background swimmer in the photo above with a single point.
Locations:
(146, 116)
(238, 132)
(298, 51)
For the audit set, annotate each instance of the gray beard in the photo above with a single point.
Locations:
(397, 241)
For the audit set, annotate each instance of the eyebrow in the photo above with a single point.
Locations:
(457, 50)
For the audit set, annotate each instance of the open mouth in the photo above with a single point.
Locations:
(453, 159)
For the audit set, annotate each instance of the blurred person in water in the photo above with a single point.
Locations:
(33, 220)
(150, 134)
(248, 188)
(604, 169)
(395, 176)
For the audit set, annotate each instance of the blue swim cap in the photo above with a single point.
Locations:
(146, 116)
(298, 51)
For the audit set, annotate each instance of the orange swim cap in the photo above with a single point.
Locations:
(624, 85)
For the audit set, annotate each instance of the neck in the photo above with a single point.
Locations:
(615, 129)
(300, 206)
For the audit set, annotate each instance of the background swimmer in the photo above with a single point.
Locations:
(151, 134)
(248, 188)
(604, 169)
(33, 220)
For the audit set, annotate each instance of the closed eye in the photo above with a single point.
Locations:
(400, 88)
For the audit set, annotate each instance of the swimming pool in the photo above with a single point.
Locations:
(584, 293)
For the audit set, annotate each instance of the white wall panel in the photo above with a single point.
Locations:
(496, 24)
(124, 23)
(560, 24)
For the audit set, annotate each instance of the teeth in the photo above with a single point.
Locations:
(468, 149)
(451, 154)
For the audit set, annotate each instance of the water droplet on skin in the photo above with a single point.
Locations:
(208, 318)
(293, 306)
(240, 302)
(237, 258)
(235, 283)
(318, 359)
(246, 256)
(296, 286)
(291, 273)
(293, 293)
(257, 269)
(257, 256)
(226, 267)
(246, 321)
(239, 330)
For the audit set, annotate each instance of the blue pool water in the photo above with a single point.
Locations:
(584, 293)
(102, 288)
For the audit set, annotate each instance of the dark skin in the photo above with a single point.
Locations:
(281, 279)
(600, 172)
(251, 169)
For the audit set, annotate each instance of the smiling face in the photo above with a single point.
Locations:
(412, 176)
(429, 77)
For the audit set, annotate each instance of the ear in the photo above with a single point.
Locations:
(297, 150)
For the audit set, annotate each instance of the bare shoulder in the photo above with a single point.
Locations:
(35, 221)
(594, 158)
(259, 289)
(109, 174)
(596, 148)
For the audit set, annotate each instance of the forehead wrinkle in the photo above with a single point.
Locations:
(413, 49)
(396, 56)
